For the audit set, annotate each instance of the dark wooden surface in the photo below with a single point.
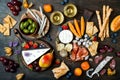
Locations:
(47, 75)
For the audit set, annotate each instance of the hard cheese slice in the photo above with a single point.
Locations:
(31, 55)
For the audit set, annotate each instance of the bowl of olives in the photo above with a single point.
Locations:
(28, 26)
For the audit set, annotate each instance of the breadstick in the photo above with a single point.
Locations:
(99, 19)
(105, 22)
(107, 26)
(104, 15)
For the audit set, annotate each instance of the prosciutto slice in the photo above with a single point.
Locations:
(78, 53)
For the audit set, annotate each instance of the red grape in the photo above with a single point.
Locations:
(5, 62)
(2, 58)
(7, 69)
(19, 3)
(12, 8)
(110, 49)
(106, 47)
(11, 62)
(9, 4)
(18, 8)
(12, 70)
(15, 13)
(102, 50)
(118, 54)
(16, 65)
(37, 69)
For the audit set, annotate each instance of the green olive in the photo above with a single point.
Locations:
(26, 24)
(30, 21)
(22, 25)
(34, 25)
(29, 27)
(32, 30)
(26, 31)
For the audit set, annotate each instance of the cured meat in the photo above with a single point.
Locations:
(74, 51)
(113, 64)
(82, 52)
(73, 55)
(98, 59)
(75, 47)
(103, 72)
(78, 53)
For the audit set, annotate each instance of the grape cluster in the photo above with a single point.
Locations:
(15, 6)
(10, 65)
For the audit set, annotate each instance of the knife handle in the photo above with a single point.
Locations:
(17, 34)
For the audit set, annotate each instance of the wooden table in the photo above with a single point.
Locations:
(47, 75)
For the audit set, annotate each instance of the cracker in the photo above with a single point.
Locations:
(89, 28)
(95, 30)
(11, 21)
(7, 31)
(93, 48)
(2, 28)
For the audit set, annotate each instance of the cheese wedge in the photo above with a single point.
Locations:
(31, 55)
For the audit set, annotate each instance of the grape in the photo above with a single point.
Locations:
(11, 62)
(16, 65)
(14, 2)
(11, 66)
(12, 70)
(35, 63)
(106, 47)
(7, 69)
(5, 62)
(19, 3)
(102, 50)
(110, 49)
(37, 69)
(18, 8)
(15, 13)
(118, 54)
(12, 8)
(2, 58)
(9, 4)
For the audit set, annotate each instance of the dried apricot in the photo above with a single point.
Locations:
(47, 7)
(85, 65)
(77, 72)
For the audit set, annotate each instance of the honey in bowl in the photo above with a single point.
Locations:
(57, 18)
(70, 10)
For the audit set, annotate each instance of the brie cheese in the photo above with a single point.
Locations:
(31, 55)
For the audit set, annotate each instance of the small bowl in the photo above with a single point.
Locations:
(28, 26)
(70, 10)
(57, 18)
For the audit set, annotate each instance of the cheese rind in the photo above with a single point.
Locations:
(31, 55)
(65, 36)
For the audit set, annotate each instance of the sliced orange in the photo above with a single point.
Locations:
(77, 71)
(115, 24)
(85, 65)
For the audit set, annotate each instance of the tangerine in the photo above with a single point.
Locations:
(85, 65)
(77, 71)
(47, 7)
